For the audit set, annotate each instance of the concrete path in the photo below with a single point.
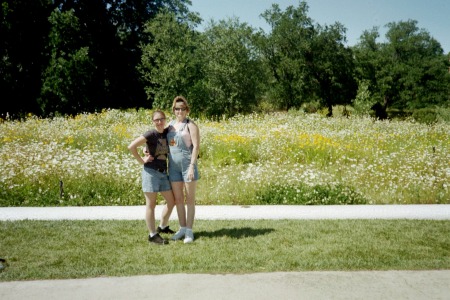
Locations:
(432, 284)
(296, 285)
(231, 212)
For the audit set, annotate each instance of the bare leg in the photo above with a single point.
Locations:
(177, 189)
(150, 204)
(167, 210)
(190, 203)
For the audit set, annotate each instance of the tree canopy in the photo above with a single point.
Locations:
(407, 71)
(71, 56)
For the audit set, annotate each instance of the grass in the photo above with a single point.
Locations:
(84, 249)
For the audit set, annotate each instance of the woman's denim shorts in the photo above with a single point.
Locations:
(154, 181)
(179, 161)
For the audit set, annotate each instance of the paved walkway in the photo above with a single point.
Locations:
(234, 212)
(432, 284)
(293, 285)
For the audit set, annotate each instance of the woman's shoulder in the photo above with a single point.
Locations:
(190, 122)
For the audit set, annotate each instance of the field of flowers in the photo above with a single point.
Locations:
(277, 158)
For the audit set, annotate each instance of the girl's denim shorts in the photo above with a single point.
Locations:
(154, 181)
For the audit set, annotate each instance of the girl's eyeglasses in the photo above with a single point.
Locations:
(180, 108)
(159, 120)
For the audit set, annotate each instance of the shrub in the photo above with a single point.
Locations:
(425, 115)
(304, 194)
(443, 114)
(363, 101)
(311, 107)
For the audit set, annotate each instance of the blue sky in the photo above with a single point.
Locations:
(355, 15)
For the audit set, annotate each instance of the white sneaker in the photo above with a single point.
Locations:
(179, 235)
(189, 237)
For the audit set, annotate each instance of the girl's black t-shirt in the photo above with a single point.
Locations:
(158, 148)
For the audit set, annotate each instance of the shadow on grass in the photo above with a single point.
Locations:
(236, 233)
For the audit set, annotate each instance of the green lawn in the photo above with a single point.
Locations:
(82, 249)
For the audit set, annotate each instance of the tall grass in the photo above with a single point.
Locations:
(291, 158)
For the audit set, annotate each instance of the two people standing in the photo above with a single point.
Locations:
(182, 137)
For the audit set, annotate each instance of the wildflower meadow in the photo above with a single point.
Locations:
(271, 158)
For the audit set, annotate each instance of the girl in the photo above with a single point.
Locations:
(154, 176)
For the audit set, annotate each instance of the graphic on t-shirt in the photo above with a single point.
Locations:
(161, 149)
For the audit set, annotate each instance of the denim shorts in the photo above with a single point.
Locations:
(154, 181)
(177, 176)
(179, 166)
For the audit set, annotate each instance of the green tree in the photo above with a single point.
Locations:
(113, 80)
(368, 58)
(407, 71)
(96, 63)
(333, 67)
(231, 68)
(24, 33)
(125, 86)
(287, 52)
(308, 62)
(67, 81)
(170, 64)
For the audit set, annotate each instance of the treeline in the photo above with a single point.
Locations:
(67, 57)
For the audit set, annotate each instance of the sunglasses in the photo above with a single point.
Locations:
(180, 108)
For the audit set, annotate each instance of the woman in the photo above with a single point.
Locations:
(184, 143)
(154, 176)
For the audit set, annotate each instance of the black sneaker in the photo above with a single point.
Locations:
(157, 239)
(164, 230)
